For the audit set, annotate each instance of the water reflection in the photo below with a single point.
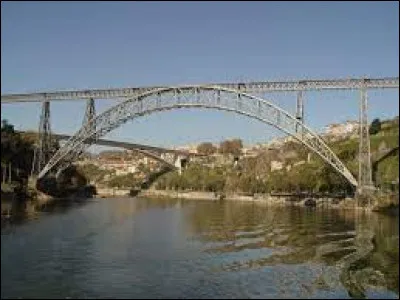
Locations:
(170, 248)
(359, 250)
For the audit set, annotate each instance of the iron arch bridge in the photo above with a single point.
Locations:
(210, 97)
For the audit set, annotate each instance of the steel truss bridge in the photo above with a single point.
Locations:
(235, 97)
(166, 156)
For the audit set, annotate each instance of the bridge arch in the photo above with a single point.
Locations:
(211, 97)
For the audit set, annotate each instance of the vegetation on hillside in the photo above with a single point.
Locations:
(301, 170)
(253, 175)
(206, 148)
(16, 155)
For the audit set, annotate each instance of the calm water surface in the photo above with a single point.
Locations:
(142, 248)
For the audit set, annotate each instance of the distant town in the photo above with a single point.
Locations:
(112, 168)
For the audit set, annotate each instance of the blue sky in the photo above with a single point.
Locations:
(77, 45)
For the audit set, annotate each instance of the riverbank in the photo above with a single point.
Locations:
(384, 202)
(22, 202)
(112, 192)
(15, 198)
(260, 198)
(13, 205)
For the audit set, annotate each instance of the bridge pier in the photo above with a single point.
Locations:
(180, 163)
(365, 184)
(42, 152)
(299, 108)
(90, 114)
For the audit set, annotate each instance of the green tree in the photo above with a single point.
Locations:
(206, 148)
(231, 147)
(375, 126)
(16, 152)
(6, 127)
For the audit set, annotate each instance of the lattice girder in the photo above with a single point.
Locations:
(213, 97)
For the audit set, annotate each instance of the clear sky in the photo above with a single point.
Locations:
(77, 45)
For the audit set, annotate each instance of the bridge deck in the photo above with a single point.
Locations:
(127, 145)
(260, 86)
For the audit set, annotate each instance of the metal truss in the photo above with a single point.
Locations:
(128, 145)
(90, 115)
(43, 149)
(90, 112)
(212, 97)
(248, 87)
(163, 155)
(364, 165)
(168, 161)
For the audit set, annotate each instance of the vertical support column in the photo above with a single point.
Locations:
(364, 160)
(299, 108)
(43, 149)
(90, 115)
(178, 163)
(239, 99)
(158, 103)
(90, 112)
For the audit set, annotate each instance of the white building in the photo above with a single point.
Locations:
(250, 152)
(347, 128)
(276, 165)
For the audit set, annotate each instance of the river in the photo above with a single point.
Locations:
(157, 248)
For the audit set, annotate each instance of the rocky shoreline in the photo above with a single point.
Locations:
(259, 198)
(319, 202)
(19, 203)
(12, 203)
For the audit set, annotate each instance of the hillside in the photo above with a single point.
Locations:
(291, 168)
